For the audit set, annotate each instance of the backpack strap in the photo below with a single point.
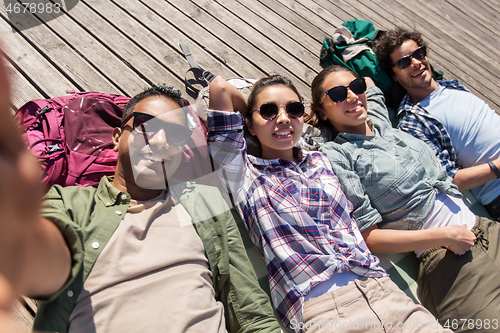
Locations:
(201, 76)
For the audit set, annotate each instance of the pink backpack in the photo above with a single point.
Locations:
(71, 136)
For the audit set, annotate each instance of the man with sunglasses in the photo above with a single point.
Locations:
(148, 252)
(461, 128)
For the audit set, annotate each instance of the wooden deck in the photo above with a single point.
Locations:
(122, 46)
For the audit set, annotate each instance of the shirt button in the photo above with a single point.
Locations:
(412, 161)
(95, 245)
(108, 203)
(362, 284)
(118, 212)
(316, 197)
(124, 196)
(426, 179)
(70, 293)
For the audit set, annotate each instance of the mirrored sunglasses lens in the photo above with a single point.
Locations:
(295, 109)
(358, 86)
(268, 110)
(337, 94)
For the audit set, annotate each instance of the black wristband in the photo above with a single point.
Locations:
(494, 168)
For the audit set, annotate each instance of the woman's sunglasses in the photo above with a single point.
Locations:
(269, 111)
(148, 125)
(339, 93)
(418, 54)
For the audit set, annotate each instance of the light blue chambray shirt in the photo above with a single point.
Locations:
(390, 177)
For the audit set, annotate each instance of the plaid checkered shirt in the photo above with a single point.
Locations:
(416, 121)
(296, 214)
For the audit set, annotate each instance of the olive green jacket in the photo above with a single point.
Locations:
(87, 217)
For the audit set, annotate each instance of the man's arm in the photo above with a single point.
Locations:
(475, 176)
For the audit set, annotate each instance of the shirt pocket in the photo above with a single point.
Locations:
(389, 172)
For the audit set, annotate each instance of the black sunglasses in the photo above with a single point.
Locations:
(339, 93)
(418, 54)
(269, 111)
(144, 124)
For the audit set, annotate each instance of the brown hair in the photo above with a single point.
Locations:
(392, 39)
(317, 95)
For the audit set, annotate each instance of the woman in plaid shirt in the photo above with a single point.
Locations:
(395, 181)
(321, 273)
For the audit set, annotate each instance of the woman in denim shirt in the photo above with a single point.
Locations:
(404, 201)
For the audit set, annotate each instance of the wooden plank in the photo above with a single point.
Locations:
(127, 51)
(279, 22)
(98, 55)
(317, 15)
(269, 35)
(230, 40)
(483, 12)
(62, 55)
(21, 320)
(199, 37)
(158, 37)
(34, 62)
(238, 29)
(22, 90)
(290, 16)
(465, 30)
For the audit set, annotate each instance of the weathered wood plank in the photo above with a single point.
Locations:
(69, 61)
(21, 320)
(201, 16)
(157, 36)
(97, 54)
(22, 90)
(291, 16)
(199, 36)
(236, 28)
(33, 62)
(125, 50)
(317, 15)
(279, 39)
(275, 21)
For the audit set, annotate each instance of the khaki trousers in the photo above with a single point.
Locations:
(463, 292)
(367, 305)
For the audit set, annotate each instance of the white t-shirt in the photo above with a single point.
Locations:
(474, 130)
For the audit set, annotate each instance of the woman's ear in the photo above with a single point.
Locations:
(250, 127)
(322, 115)
(117, 133)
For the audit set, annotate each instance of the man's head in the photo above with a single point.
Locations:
(151, 139)
(402, 53)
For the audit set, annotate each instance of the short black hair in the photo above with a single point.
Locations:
(156, 90)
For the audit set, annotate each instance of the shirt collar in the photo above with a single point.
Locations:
(109, 194)
(299, 152)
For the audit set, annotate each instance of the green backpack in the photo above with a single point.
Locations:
(351, 46)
